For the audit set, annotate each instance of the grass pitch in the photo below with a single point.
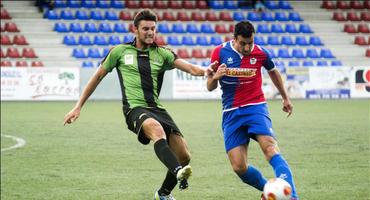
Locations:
(326, 143)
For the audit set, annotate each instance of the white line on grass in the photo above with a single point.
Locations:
(20, 142)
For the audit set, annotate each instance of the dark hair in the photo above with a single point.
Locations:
(244, 28)
(145, 14)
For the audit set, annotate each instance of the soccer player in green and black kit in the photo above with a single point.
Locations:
(140, 66)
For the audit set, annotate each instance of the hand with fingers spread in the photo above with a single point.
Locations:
(72, 116)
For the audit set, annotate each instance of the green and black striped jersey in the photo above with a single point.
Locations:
(140, 73)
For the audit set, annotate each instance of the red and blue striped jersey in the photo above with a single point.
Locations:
(242, 85)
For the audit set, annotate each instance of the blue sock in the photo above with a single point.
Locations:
(282, 170)
(254, 178)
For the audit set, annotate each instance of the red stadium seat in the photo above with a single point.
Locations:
(183, 53)
(202, 4)
(182, 16)
(172, 4)
(231, 28)
(160, 5)
(367, 4)
(28, 53)
(360, 40)
(225, 16)
(4, 14)
(328, 5)
(209, 53)
(132, 4)
(11, 27)
(159, 40)
(211, 16)
(350, 28)
(197, 16)
(220, 28)
(339, 16)
(21, 64)
(188, 5)
(342, 5)
(363, 28)
(368, 53)
(365, 16)
(20, 40)
(197, 53)
(37, 64)
(125, 15)
(145, 4)
(5, 40)
(6, 63)
(12, 52)
(356, 5)
(168, 16)
(352, 16)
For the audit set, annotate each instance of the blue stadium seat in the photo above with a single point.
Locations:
(118, 4)
(163, 28)
(294, 63)
(284, 53)
(60, 4)
(84, 40)
(96, 15)
(287, 40)
(66, 15)
(290, 28)
(114, 40)
(73, 4)
(51, 14)
(271, 5)
(105, 52)
(326, 53)
(192, 28)
(178, 28)
(206, 28)
(253, 16)
(60, 27)
(120, 28)
(187, 41)
(267, 16)
(277, 28)
(93, 53)
(336, 63)
(322, 63)
(263, 28)
(75, 27)
(69, 40)
(271, 53)
(294, 16)
(305, 28)
(238, 16)
(230, 4)
(128, 38)
(202, 41)
(216, 40)
(301, 41)
(90, 28)
(284, 5)
(111, 15)
(315, 41)
(87, 64)
(298, 53)
(82, 15)
(79, 53)
(216, 4)
(102, 4)
(259, 40)
(273, 40)
(88, 4)
(307, 63)
(281, 16)
(100, 40)
(173, 40)
(312, 53)
(105, 28)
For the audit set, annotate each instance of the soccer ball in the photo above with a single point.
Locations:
(277, 189)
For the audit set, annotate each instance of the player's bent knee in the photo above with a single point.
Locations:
(153, 129)
(239, 168)
(270, 151)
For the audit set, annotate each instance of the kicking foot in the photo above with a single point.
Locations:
(182, 176)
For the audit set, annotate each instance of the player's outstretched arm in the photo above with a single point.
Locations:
(195, 70)
(278, 82)
(94, 81)
(212, 80)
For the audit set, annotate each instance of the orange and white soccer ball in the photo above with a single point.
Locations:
(277, 189)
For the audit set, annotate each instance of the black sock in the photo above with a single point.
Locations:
(166, 155)
(168, 184)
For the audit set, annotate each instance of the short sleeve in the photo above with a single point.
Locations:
(111, 60)
(169, 58)
(215, 55)
(268, 64)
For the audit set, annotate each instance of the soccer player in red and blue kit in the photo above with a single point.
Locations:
(245, 111)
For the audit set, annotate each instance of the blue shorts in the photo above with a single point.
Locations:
(241, 124)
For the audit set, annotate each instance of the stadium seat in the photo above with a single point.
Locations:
(315, 41)
(336, 63)
(159, 40)
(230, 4)
(28, 53)
(197, 16)
(82, 14)
(277, 28)
(60, 4)
(67, 15)
(350, 28)
(51, 15)
(201, 4)
(125, 15)
(220, 28)
(363, 28)
(206, 28)
(132, 4)
(4, 14)
(273, 40)
(6, 63)
(69, 40)
(259, 40)
(93, 53)
(294, 63)
(188, 5)
(21, 63)
(11, 27)
(328, 5)
(366, 4)
(211, 16)
(285, 5)
(102, 4)
(209, 53)
(326, 53)
(90, 28)
(291, 28)
(294, 16)
(360, 40)
(267, 16)
(182, 16)
(307, 63)
(160, 4)
(84, 40)
(352, 16)
(271, 53)
(5, 40)
(322, 63)
(73, 4)
(37, 64)
(281, 16)
(263, 28)
(114, 40)
(105, 52)
(343, 5)
(365, 16)
(164, 28)
(128, 38)
(100, 40)
(88, 4)
(183, 53)
(231, 28)
(168, 16)
(173, 40)
(187, 41)
(312, 53)
(111, 15)
(225, 16)
(287, 40)
(172, 4)
(251, 16)
(216, 5)
(298, 53)
(87, 64)
(75, 27)
(215, 40)
(192, 28)
(60, 27)
(96, 15)
(12, 52)
(339, 16)
(284, 53)
(305, 28)
(271, 5)
(118, 4)
(120, 28)
(202, 41)
(105, 28)
(239, 16)
(178, 28)
(301, 41)
(197, 53)
(79, 53)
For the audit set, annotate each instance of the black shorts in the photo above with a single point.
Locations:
(136, 116)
